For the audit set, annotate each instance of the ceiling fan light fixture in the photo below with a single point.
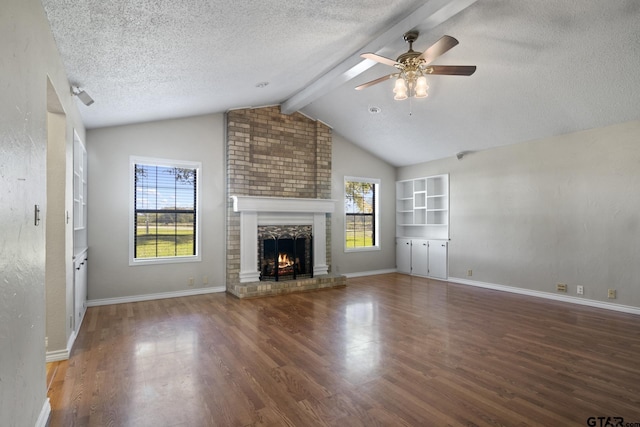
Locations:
(400, 86)
(412, 67)
(421, 87)
(400, 96)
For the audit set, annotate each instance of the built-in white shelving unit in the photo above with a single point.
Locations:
(422, 226)
(79, 196)
(422, 207)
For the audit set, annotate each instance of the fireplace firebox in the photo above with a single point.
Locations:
(285, 252)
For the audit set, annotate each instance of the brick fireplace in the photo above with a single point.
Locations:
(279, 174)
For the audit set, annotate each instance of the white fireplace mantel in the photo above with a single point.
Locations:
(256, 211)
(282, 204)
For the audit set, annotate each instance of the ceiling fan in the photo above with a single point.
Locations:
(414, 66)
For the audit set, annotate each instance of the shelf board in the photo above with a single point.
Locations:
(433, 196)
(437, 210)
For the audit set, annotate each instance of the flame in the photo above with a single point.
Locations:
(284, 261)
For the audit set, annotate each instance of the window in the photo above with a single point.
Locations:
(164, 213)
(361, 213)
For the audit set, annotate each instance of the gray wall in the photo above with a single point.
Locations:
(195, 139)
(350, 160)
(563, 209)
(29, 56)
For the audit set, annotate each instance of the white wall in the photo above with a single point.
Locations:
(194, 139)
(29, 56)
(563, 209)
(350, 160)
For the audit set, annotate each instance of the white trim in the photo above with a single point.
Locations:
(376, 214)
(149, 297)
(45, 412)
(547, 295)
(57, 355)
(369, 273)
(133, 160)
(256, 211)
(362, 249)
(282, 204)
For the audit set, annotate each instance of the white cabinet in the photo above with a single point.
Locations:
(422, 207)
(438, 259)
(420, 257)
(403, 255)
(80, 288)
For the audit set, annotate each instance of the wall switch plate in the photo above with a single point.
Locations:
(611, 294)
(561, 287)
(205, 280)
(580, 290)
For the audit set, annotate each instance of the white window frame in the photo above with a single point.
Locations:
(376, 208)
(133, 160)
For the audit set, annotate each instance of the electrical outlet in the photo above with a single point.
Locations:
(191, 282)
(611, 294)
(561, 287)
(580, 290)
(46, 342)
(205, 280)
(469, 273)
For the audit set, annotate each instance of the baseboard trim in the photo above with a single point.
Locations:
(150, 297)
(539, 294)
(57, 355)
(369, 273)
(43, 418)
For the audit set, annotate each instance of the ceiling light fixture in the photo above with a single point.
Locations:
(413, 67)
(262, 84)
(82, 95)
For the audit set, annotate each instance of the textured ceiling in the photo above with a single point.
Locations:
(545, 67)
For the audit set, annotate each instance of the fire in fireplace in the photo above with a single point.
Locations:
(285, 252)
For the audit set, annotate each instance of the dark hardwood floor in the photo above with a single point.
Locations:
(385, 350)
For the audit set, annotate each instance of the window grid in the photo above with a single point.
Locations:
(165, 202)
(360, 215)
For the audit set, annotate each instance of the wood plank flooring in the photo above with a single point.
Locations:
(386, 350)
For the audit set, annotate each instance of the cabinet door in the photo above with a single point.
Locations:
(80, 291)
(419, 257)
(403, 255)
(438, 259)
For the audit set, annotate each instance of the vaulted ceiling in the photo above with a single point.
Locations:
(545, 67)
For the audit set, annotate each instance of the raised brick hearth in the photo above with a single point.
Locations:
(288, 157)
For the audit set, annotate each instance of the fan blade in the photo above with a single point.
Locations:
(378, 58)
(376, 81)
(452, 70)
(438, 48)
